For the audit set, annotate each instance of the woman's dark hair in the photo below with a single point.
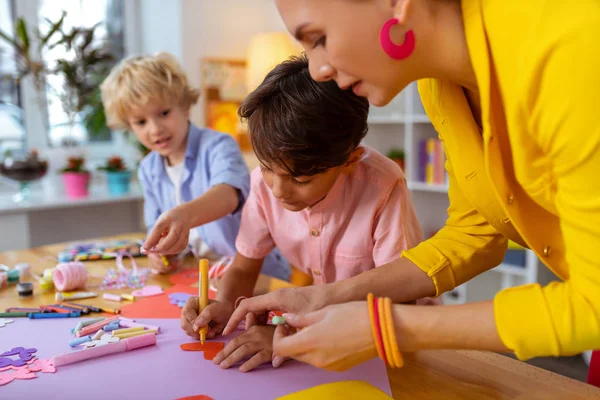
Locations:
(301, 125)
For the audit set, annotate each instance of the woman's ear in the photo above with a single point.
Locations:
(401, 10)
(353, 160)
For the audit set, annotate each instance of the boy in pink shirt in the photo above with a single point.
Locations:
(334, 208)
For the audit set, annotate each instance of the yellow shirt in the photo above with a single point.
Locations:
(532, 175)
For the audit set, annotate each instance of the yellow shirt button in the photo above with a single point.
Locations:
(546, 251)
(506, 220)
(316, 272)
(511, 198)
(314, 233)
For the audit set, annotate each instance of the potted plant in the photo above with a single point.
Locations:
(117, 176)
(397, 155)
(76, 177)
(85, 63)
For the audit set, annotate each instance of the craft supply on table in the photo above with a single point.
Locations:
(278, 320)
(100, 250)
(110, 310)
(53, 315)
(122, 277)
(74, 295)
(111, 297)
(119, 347)
(203, 294)
(70, 276)
(5, 321)
(3, 279)
(25, 289)
(147, 291)
(24, 272)
(12, 276)
(128, 297)
(21, 314)
(46, 286)
(92, 308)
(171, 373)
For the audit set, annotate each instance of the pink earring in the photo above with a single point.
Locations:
(397, 52)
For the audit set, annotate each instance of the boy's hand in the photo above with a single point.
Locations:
(256, 342)
(170, 234)
(157, 263)
(215, 315)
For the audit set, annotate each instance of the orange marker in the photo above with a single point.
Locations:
(202, 294)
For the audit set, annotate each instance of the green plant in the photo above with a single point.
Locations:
(87, 63)
(75, 164)
(396, 154)
(29, 59)
(114, 164)
(84, 71)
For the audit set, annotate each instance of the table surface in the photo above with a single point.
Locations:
(447, 374)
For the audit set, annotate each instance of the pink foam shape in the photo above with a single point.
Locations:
(43, 366)
(20, 373)
(147, 291)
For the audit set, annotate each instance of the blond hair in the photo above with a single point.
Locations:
(140, 80)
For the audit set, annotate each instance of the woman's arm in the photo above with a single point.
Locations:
(339, 337)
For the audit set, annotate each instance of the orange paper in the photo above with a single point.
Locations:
(210, 349)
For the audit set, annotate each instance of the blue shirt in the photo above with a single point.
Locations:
(211, 158)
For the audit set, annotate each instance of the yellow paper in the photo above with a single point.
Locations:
(347, 390)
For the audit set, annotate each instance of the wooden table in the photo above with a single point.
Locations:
(437, 374)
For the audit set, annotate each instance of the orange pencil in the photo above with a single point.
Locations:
(202, 294)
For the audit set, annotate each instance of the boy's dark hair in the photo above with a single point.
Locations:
(301, 125)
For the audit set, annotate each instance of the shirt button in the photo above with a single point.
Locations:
(511, 198)
(546, 251)
(506, 220)
(314, 233)
(316, 272)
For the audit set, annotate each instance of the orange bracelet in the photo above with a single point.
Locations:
(394, 352)
(370, 301)
(384, 331)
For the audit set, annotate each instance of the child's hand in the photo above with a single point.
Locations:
(256, 342)
(157, 263)
(215, 315)
(170, 234)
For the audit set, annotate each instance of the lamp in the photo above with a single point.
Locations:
(265, 51)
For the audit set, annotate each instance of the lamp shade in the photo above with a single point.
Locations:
(266, 50)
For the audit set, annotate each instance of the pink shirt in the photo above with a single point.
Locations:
(366, 220)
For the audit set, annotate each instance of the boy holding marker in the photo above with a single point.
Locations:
(316, 189)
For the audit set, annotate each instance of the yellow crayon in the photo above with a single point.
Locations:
(138, 333)
(203, 294)
(128, 330)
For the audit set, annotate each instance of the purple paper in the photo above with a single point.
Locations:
(163, 371)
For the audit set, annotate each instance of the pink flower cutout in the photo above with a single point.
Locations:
(42, 366)
(20, 373)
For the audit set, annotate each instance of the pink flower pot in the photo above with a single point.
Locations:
(76, 183)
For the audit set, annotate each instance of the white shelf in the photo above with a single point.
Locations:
(421, 119)
(427, 187)
(385, 119)
(511, 269)
(398, 119)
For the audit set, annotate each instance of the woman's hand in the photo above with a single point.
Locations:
(297, 300)
(335, 338)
